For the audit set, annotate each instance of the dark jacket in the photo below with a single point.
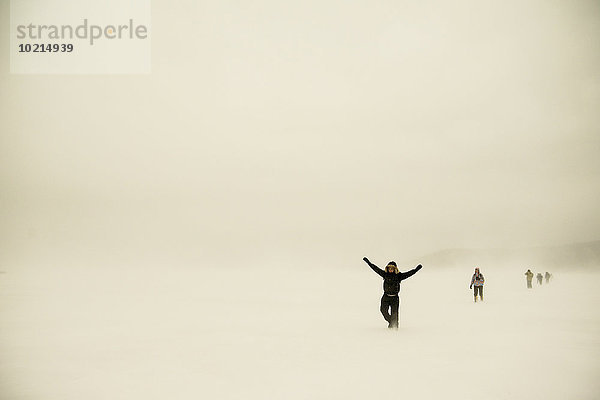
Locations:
(391, 280)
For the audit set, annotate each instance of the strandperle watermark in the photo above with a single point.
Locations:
(80, 36)
(85, 30)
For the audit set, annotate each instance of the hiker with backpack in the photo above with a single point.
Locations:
(477, 280)
(529, 276)
(390, 301)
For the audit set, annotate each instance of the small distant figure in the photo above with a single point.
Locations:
(548, 276)
(540, 278)
(529, 276)
(477, 280)
(391, 287)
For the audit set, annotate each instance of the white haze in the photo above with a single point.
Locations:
(197, 233)
(321, 126)
(293, 332)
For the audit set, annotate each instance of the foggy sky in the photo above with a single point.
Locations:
(323, 127)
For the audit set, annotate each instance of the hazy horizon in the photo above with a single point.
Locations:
(322, 128)
(198, 232)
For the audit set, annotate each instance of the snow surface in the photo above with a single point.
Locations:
(293, 332)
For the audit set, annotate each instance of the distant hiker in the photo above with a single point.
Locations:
(540, 278)
(391, 287)
(478, 281)
(548, 276)
(529, 276)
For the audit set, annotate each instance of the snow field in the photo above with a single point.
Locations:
(293, 333)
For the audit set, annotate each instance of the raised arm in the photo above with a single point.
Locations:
(374, 267)
(411, 272)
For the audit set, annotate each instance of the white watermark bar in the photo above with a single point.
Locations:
(80, 37)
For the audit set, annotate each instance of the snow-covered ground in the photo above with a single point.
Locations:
(293, 332)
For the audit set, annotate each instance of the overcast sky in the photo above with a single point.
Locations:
(333, 128)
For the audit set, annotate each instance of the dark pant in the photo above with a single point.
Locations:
(480, 290)
(393, 303)
(529, 283)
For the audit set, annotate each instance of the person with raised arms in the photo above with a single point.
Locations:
(390, 301)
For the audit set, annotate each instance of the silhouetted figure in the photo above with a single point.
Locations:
(390, 301)
(477, 280)
(540, 278)
(548, 276)
(529, 276)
